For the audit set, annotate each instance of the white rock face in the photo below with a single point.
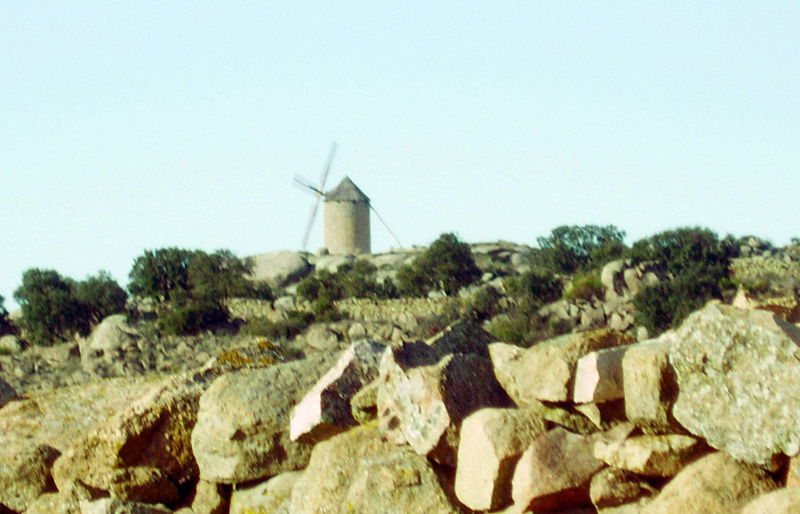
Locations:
(491, 443)
(598, 376)
(738, 376)
(325, 409)
(279, 268)
(242, 430)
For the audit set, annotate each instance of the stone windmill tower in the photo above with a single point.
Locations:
(346, 214)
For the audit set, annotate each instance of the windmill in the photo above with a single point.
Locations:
(346, 214)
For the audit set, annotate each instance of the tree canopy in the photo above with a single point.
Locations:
(447, 265)
(571, 248)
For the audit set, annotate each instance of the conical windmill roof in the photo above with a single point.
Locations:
(346, 191)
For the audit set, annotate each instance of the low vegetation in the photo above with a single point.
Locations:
(56, 308)
(698, 264)
(447, 266)
(187, 290)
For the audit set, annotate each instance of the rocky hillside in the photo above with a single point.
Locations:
(383, 411)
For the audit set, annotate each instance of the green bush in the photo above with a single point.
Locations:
(525, 329)
(584, 286)
(51, 310)
(534, 288)
(162, 274)
(571, 248)
(485, 304)
(193, 285)
(191, 318)
(351, 280)
(102, 296)
(447, 265)
(286, 329)
(698, 263)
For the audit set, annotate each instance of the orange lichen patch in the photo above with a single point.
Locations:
(266, 345)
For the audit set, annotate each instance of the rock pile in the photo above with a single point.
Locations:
(701, 419)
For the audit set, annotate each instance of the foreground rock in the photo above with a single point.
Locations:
(325, 410)
(612, 488)
(650, 455)
(555, 471)
(242, 430)
(782, 501)
(650, 385)
(35, 430)
(491, 443)
(546, 371)
(714, 483)
(598, 377)
(357, 471)
(424, 406)
(738, 375)
(153, 431)
(273, 496)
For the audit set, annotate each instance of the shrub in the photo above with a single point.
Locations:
(524, 329)
(51, 310)
(447, 265)
(584, 286)
(485, 304)
(191, 317)
(161, 274)
(294, 323)
(570, 248)
(534, 288)
(102, 296)
(699, 265)
(194, 286)
(351, 280)
(5, 323)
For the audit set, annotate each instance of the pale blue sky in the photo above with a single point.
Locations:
(134, 125)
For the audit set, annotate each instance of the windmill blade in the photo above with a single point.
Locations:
(302, 182)
(310, 224)
(327, 168)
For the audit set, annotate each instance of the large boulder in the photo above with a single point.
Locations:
(738, 376)
(491, 443)
(611, 488)
(598, 377)
(714, 483)
(280, 268)
(325, 410)
(152, 431)
(242, 430)
(782, 501)
(650, 385)
(36, 429)
(358, 471)
(270, 497)
(555, 472)
(424, 405)
(108, 340)
(546, 371)
(650, 455)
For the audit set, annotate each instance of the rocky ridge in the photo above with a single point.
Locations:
(367, 415)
